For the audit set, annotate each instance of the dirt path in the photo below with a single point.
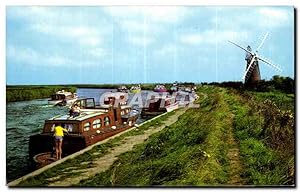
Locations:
(234, 159)
(104, 162)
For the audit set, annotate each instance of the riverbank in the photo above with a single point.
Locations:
(30, 92)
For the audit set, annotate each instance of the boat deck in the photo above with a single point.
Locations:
(85, 114)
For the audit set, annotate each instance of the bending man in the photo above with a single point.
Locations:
(59, 134)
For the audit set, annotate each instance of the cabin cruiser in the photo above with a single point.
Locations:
(185, 98)
(62, 98)
(158, 105)
(123, 89)
(135, 89)
(94, 123)
(160, 88)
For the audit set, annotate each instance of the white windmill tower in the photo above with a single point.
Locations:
(252, 73)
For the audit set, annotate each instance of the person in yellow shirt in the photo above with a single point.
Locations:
(59, 134)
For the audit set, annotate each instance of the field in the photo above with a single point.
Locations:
(233, 138)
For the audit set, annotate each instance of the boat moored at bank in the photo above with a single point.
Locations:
(160, 88)
(62, 98)
(135, 89)
(95, 123)
(158, 105)
(123, 89)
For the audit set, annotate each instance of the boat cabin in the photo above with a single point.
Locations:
(62, 95)
(158, 105)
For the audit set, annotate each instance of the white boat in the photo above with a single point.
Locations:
(158, 105)
(185, 98)
(62, 97)
(172, 106)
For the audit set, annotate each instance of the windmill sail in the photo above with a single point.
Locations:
(262, 42)
(270, 64)
(241, 47)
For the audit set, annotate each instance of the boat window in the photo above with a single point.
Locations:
(52, 128)
(82, 104)
(106, 121)
(122, 112)
(90, 103)
(127, 110)
(86, 126)
(97, 124)
(72, 128)
(69, 127)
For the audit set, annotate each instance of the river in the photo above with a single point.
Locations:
(26, 118)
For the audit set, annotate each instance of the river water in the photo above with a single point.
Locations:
(27, 118)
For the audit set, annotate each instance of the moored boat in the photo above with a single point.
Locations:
(62, 98)
(123, 89)
(184, 98)
(187, 87)
(160, 88)
(158, 105)
(135, 89)
(94, 124)
(173, 88)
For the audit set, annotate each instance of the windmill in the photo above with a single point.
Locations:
(252, 72)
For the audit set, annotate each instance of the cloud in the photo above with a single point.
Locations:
(144, 22)
(212, 37)
(140, 27)
(33, 57)
(166, 50)
(62, 23)
(160, 14)
(140, 40)
(29, 56)
(253, 18)
(192, 39)
(273, 17)
(97, 52)
(84, 35)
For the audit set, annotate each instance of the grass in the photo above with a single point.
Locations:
(264, 164)
(282, 100)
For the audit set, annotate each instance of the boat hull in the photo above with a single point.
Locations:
(55, 102)
(160, 90)
(42, 144)
(172, 107)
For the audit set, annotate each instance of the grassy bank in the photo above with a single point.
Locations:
(192, 151)
(23, 93)
(266, 135)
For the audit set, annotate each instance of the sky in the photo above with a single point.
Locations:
(143, 44)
